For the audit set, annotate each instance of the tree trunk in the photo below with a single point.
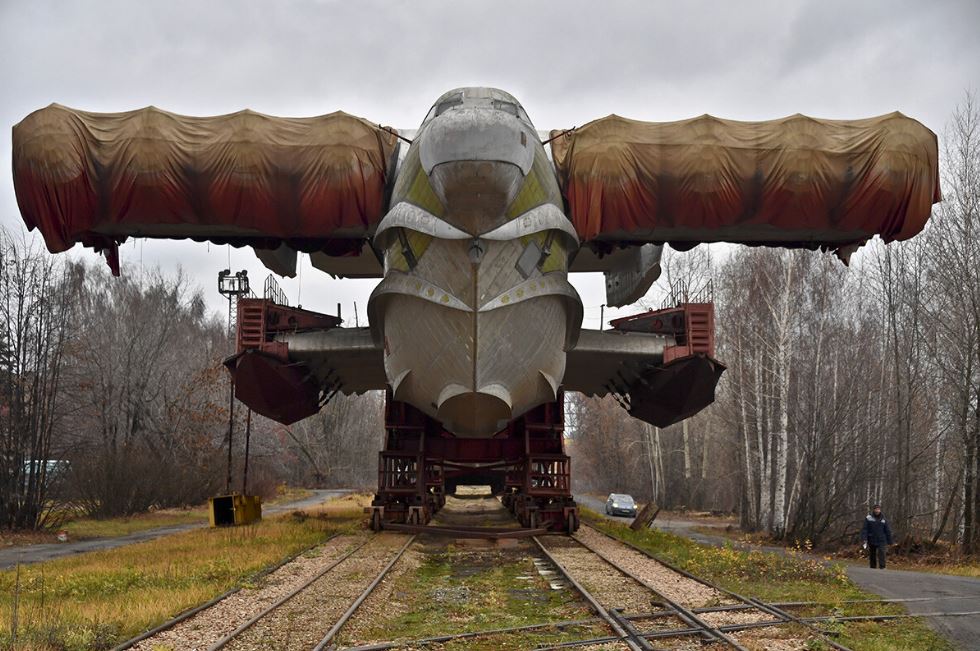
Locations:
(648, 435)
(781, 436)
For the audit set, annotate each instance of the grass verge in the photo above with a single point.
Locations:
(98, 599)
(85, 528)
(288, 494)
(957, 569)
(941, 558)
(784, 577)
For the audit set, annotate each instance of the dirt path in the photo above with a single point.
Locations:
(25, 554)
(945, 593)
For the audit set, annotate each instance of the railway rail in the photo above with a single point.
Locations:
(191, 612)
(779, 613)
(622, 628)
(677, 621)
(293, 621)
(625, 630)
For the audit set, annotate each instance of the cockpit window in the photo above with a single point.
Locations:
(509, 107)
(512, 108)
(443, 106)
(447, 104)
(457, 99)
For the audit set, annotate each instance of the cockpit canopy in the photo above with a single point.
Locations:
(478, 96)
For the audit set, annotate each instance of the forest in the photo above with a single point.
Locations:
(845, 385)
(114, 400)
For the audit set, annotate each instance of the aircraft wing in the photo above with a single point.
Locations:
(659, 365)
(796, 182)
(291, 361)
(280, 185)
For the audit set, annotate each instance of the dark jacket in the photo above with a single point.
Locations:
(876, 531)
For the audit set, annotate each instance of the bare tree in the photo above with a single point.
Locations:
(953, 262)
(339, 445)
(36, 309)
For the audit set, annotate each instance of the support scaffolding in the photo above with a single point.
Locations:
(525, 464)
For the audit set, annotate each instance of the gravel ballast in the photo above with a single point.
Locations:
(301, 622)
(687, 592)
(207, 627)
(693, 594)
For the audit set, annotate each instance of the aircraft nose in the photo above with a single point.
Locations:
(476, 162)
(477, 135)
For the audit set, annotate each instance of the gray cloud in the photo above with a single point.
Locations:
(568, 62)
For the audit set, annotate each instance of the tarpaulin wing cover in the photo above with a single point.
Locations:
(243, 178)
(797, 181)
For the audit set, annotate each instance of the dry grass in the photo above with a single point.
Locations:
(941, 558)
(82, 528)
(286, 493)
(85, 528)
(971, 569)
(96, 600)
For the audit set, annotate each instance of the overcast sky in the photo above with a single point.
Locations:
(567, 62)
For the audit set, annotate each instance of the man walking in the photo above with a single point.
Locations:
(876, 535)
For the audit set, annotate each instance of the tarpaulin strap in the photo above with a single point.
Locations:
(395, 133)
(558, 135)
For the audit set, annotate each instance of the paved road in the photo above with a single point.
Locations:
(46, 551)
(940, 592)
(946, 594)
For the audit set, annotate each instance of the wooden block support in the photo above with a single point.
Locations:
(646, 517)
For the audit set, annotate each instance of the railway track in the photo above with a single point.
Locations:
(730, 611)
(644, 603)
(778, 612)
(616, 591)
(225, 607)
(297, 609)
(301, 619)
(647, 605)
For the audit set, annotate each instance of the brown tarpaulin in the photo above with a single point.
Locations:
(242, 178)
(797, 181)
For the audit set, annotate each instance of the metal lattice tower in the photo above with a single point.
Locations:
(233, 286)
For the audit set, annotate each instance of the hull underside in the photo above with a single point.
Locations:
(457, 368)
(475, 344)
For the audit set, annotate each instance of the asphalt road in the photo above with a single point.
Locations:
(24, 554)
(933, 593)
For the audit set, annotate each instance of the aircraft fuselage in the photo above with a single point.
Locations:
(475, 310)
